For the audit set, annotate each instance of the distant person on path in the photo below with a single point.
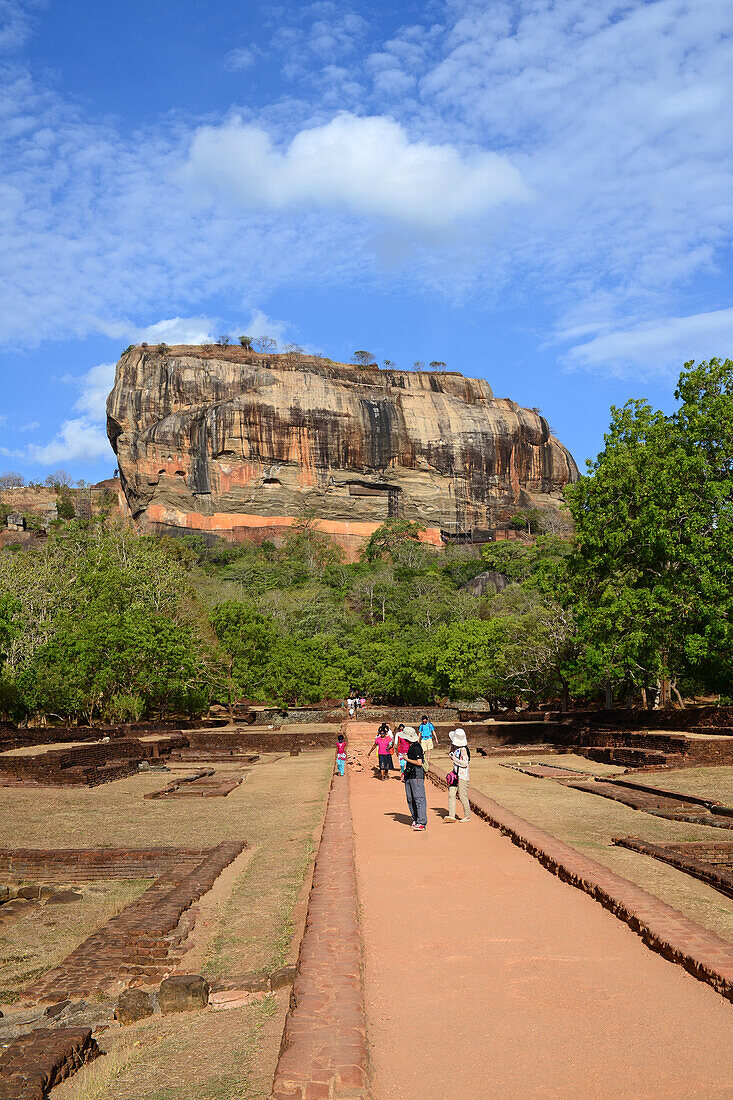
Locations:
(415, 779)
(383, 745)
(341, 754)
(362, 703)
(427, 737)
(401, 747)
(350, 705)
(460, 755)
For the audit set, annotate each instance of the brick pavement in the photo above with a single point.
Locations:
(324, 1048)
(662, 928)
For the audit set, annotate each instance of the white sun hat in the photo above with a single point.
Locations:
(410, 734)
(458, 738)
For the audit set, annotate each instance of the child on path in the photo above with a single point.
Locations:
(341, 754)
(415, 780)
(383, 745)
(427, 737)
(460, 755)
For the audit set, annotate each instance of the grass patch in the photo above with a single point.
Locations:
(41, 938)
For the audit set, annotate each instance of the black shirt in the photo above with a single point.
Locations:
(414, 753)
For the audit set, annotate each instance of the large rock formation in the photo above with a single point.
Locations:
(221, 439)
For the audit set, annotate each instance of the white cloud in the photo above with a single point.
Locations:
(15, 23)
(176, 330)
(262, 325)
(660, 346)
(365, 165)
(77, 440)
(95, 386)
(611, 115)
(239, 59)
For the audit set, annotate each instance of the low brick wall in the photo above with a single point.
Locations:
(88, 864)
(711, 863)
(324, 1047)
(31, 1065)
(662, 928)
(140, 944)
(256, 741)
(86, 765)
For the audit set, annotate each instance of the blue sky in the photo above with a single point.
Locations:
(536, 192)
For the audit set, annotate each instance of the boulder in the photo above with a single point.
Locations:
(488, 581)
(133, 1005)
(183, 993)
(29, 892)
(219, 439)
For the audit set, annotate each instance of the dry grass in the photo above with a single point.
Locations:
(41, 938)
(192, 1056)
(211, 1055)
(714, 783)
(588, 823)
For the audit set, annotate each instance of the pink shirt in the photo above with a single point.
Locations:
(383, 743)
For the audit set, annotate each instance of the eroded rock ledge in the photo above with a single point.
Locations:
(222, 439)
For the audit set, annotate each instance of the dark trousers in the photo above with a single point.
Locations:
(416, 801)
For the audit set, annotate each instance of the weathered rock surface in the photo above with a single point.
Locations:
(220, 439)
(488, 581)
(183, 993)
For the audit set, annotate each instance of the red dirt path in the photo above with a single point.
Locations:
(488, 977)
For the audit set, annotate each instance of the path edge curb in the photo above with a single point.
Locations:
(337, 1065)
(706, 956)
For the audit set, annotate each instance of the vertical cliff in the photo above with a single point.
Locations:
(221, 439)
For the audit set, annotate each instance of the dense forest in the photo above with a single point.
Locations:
(98, 622)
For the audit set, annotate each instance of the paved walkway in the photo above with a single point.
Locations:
(488, 977)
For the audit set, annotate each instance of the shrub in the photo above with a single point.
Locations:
(126, 708)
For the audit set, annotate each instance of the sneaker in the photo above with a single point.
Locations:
(449, 818)
(464, 819)
(420, 828)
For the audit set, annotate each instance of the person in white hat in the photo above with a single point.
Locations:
(415, 779)
(460, 755)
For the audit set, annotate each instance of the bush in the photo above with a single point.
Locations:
(126, 708)
(65, 506)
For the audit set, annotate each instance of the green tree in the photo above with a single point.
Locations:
(390, 537)
(246, 638)
(654, 538)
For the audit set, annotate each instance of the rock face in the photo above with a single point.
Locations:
(221, 439)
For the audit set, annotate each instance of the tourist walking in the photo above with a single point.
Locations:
(460, 755)
(383, 745)
(350, 705)
(401, 747)
(341, 754)
(415, 779)
(427, 737)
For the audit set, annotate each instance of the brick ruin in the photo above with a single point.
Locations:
(143, 942)
(709, 861)
(31, 1065)
(201, 784)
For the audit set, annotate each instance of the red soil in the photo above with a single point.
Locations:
(486, 976)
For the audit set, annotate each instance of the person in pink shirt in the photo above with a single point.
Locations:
(401, 746)
(383, 744)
